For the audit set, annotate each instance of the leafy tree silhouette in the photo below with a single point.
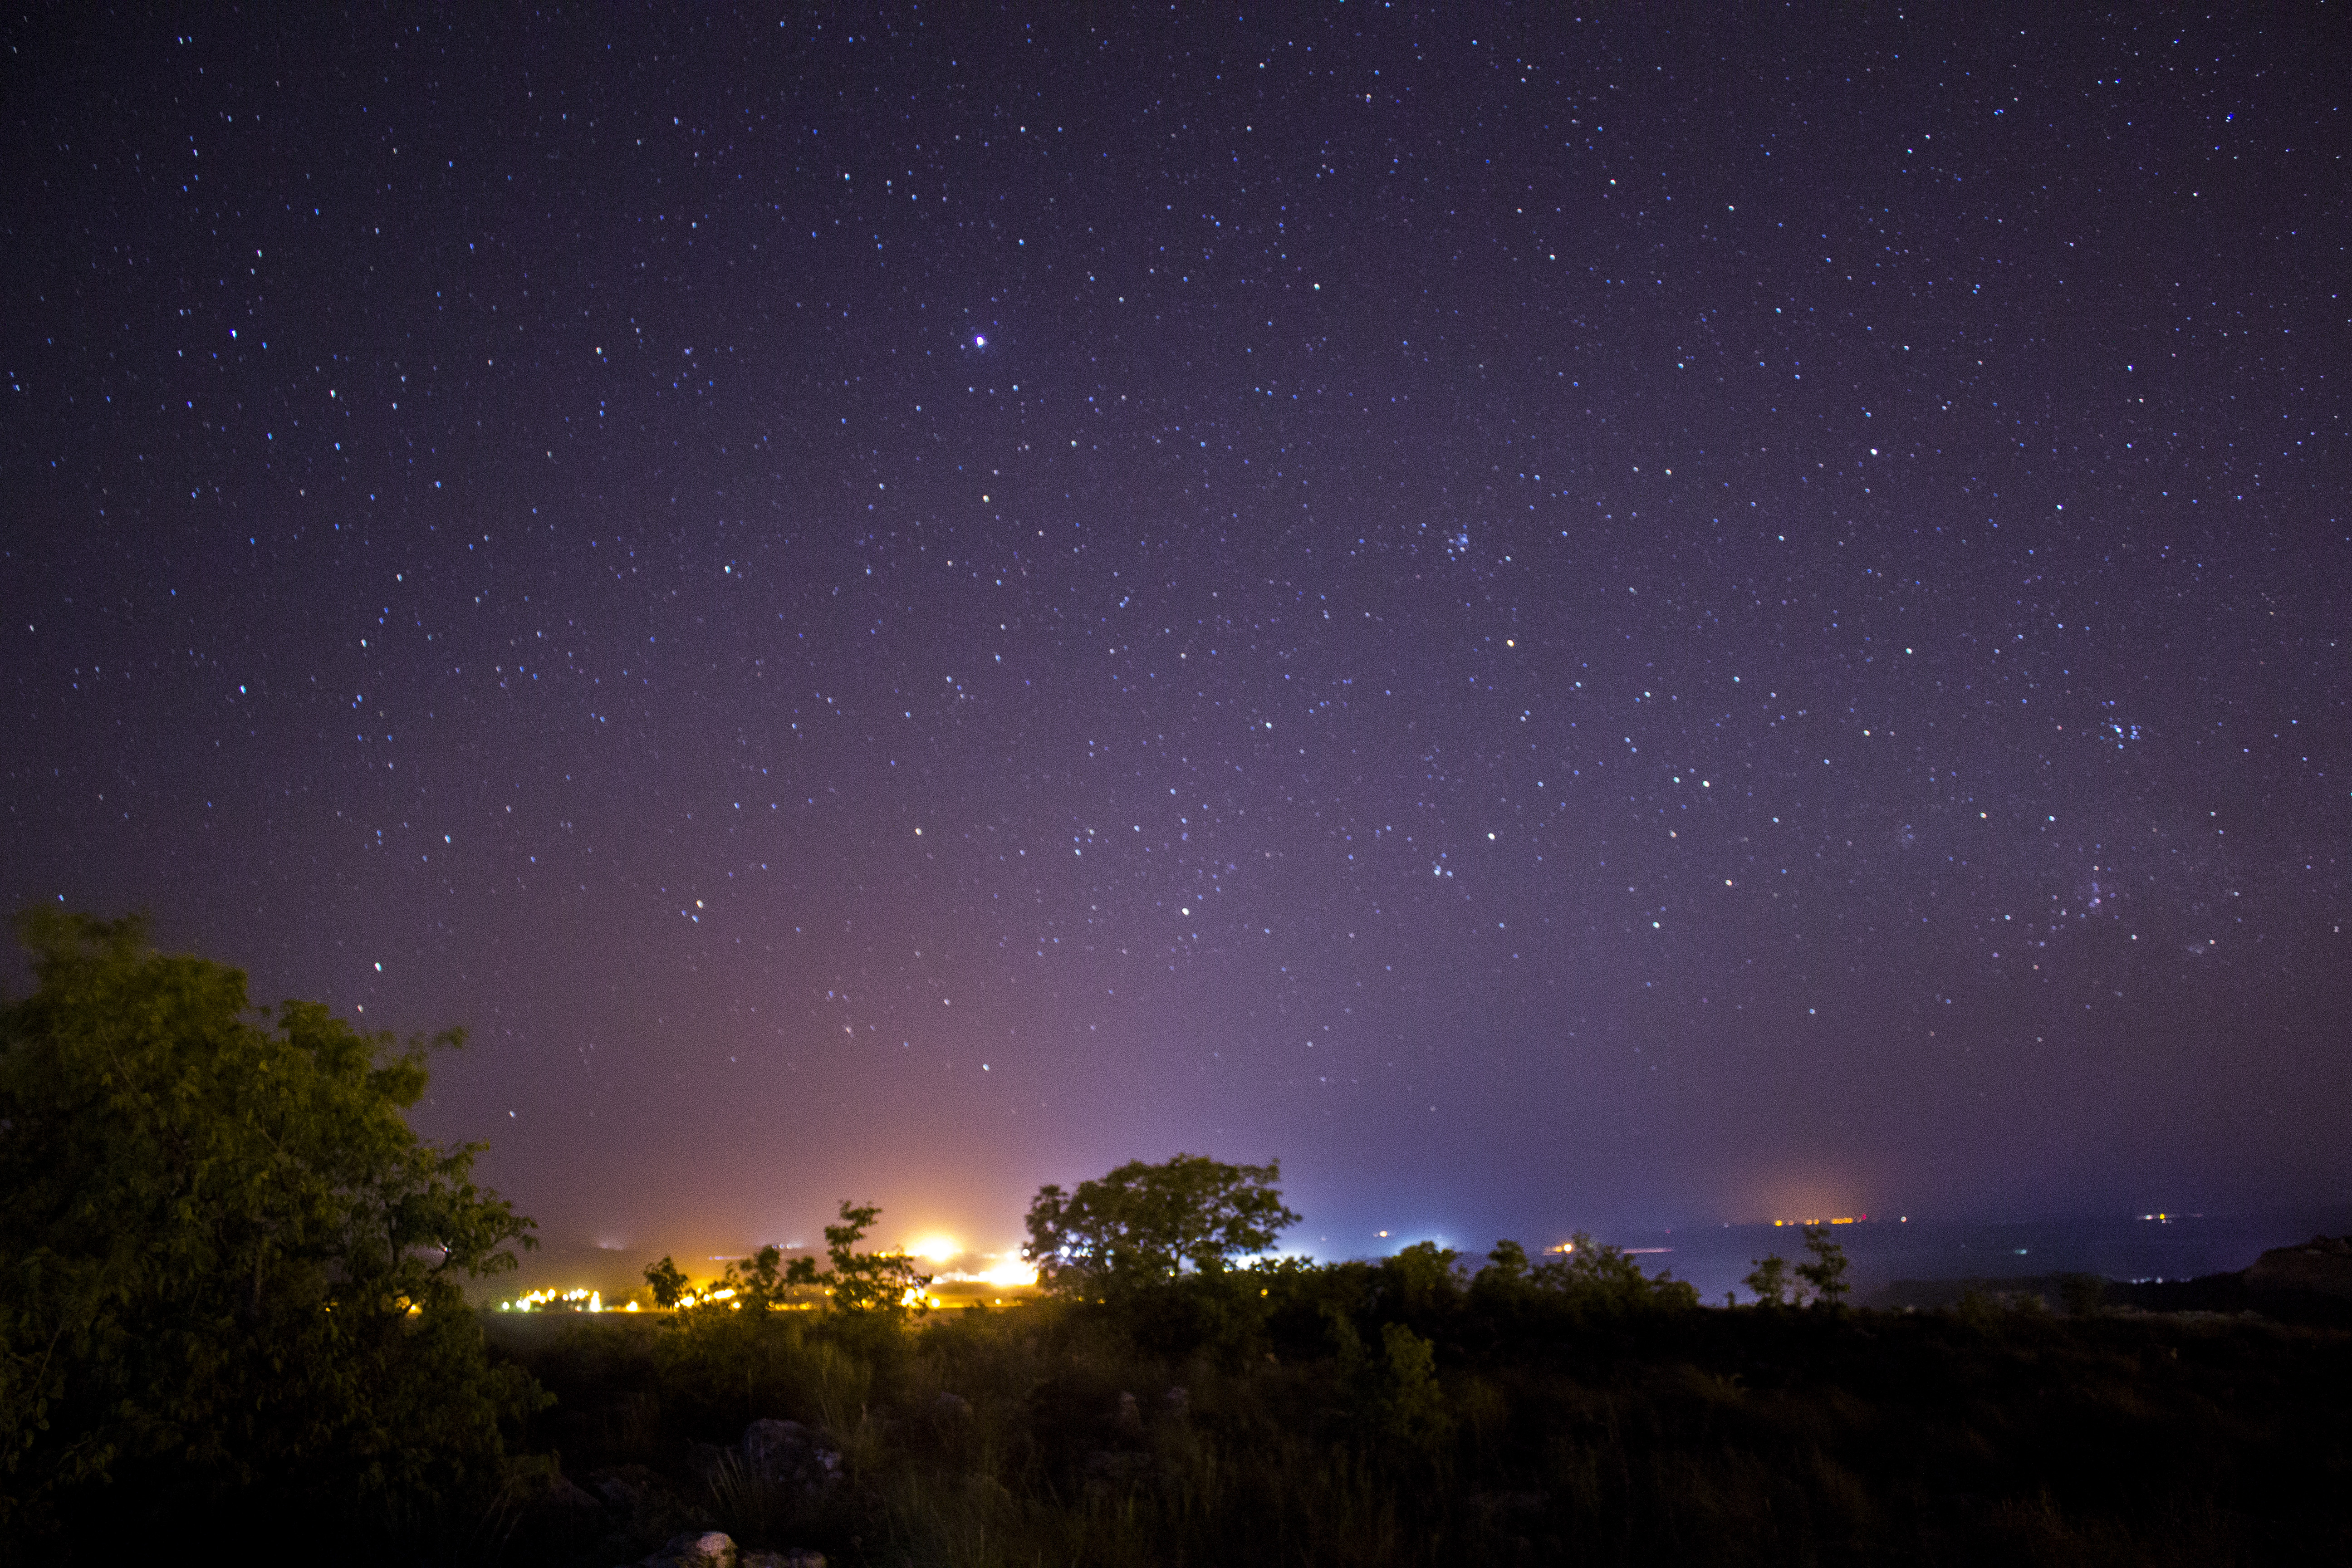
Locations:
(1144, 1224)
(228, 1268)
(1826, 1272)
(1769, 1281)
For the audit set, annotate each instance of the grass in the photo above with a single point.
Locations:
(1362, 1419)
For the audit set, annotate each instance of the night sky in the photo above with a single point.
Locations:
(1649, 620)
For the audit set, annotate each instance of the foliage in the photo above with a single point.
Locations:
(1826, 1273)
(226, 1263)
(1507, 1265)
(730, 1352)
(1771, 1281)
(1585, 1279)
(1823, 1278)
(1143, 1223)
(2086, 1295)
(1491, 1431)
(669, 1282)
(886, 1282)
(1598, 1275)
(764, 1282)
(1406, 1411)
(1411, 1405)
(1418, 1281)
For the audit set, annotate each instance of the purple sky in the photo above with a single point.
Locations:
(1556, 623)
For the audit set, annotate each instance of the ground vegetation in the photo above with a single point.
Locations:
(1428, 1409)
(231, 1276)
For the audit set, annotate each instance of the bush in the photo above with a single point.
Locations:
(1397, 1413)
(228, 1269)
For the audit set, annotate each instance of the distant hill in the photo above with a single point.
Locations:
(2310, 1283)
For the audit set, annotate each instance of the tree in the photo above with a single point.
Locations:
(1826, 1272)
(1411, 1404)
(1596, 1275)
(1506, 1270)
(1420, 1279)
(1769, 1281)
(2086, 1295)
(885, 1282)
(669, 1282)
(1582, 1278)
(1145, 1223)
(227, 1266)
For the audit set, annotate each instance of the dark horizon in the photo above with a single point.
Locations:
(1598, 624)
(1714, 1258)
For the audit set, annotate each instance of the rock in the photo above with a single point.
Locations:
(2320, 1266)
(547, 1506)
(566, 1497)
(548, 1492)
(641, 1504)
(786, 1453)
(706, 1549)
(624, 1489)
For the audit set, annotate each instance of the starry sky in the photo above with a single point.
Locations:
(1633, 619)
